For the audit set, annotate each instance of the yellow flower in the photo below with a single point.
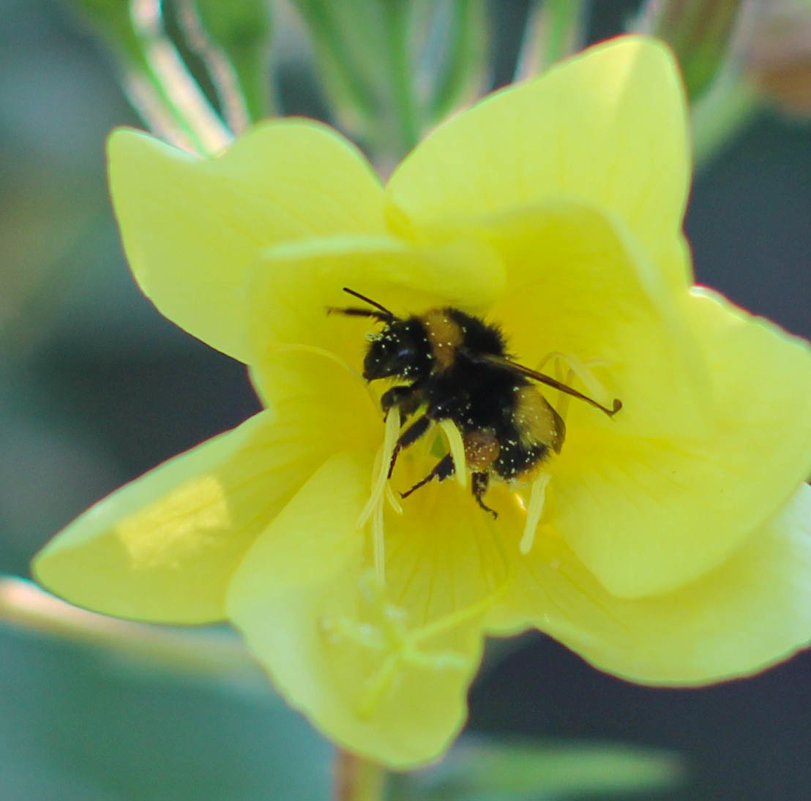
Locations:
(674, 546)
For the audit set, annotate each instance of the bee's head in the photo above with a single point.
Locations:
(401, 350)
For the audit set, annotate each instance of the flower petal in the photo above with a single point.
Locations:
(295, 284)
(608, 127)
(761, 389)
(193, 228)
(578, 284)
(648, 515)
(446, 560)
(333, 644)
(164, 547)
(750, 612)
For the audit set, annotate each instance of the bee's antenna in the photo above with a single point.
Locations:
(616, 404)
(514, 367)
(369, 301)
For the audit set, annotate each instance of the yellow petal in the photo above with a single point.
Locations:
(193, 228)
(333, 643)
(295, 284)
(577, 284)
(761, 390)
(608, 127)
(446, 559)
(648, 515)
(748, 613)
(163, 548)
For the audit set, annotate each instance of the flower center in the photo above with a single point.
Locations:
(393, 642)
(473, 454)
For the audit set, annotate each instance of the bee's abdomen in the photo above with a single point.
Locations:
(517, 458)
(535, 419)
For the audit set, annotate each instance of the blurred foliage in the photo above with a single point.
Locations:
(76, 726)
(700, 34)
(527, 770)
(234, 42)
(392, 68)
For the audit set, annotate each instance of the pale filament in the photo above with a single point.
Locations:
(391, 431)
(457, 449)
(393, 500)
(383, 630)
(379, 545)
(537, 500)
(582, 370)
(537, 497)
(374, 506)
(381, 491)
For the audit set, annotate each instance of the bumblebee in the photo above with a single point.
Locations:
(455, 366)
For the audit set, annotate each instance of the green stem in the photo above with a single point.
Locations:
(178, 87)
(400, 75)
(357, 778)
(212, 655)
(332, 45)
(257, 94)
(467, 35)
(719, 116)
(220, 69)
(554, 29)
(148, 98)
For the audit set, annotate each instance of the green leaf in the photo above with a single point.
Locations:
(112, 21)
(538, 769)
(392, 68)
(75, 728)
(462, 56)
(151, 72)
(699, 31)
(242, 30)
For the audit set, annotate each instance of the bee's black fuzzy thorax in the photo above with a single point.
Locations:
(454, 366)
(477, 335)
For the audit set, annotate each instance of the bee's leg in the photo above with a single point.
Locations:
(479, 482)
(405, 397)
(442, 469)
(409, 437)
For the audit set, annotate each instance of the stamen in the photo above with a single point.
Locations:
(594, 386)
(376, 688)
(379, 545)
(374, 506)
(382, 629)
(447, 623)
(390, 433)
(457, 449)
(537, 499)
(342, 629)
(440, 660)
(394, 502)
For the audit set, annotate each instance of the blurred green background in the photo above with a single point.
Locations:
(96, 387)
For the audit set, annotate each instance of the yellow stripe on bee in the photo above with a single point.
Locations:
(535, 419)
(444, 336)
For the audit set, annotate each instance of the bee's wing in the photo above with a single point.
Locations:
(542, 378)
(560, 428)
